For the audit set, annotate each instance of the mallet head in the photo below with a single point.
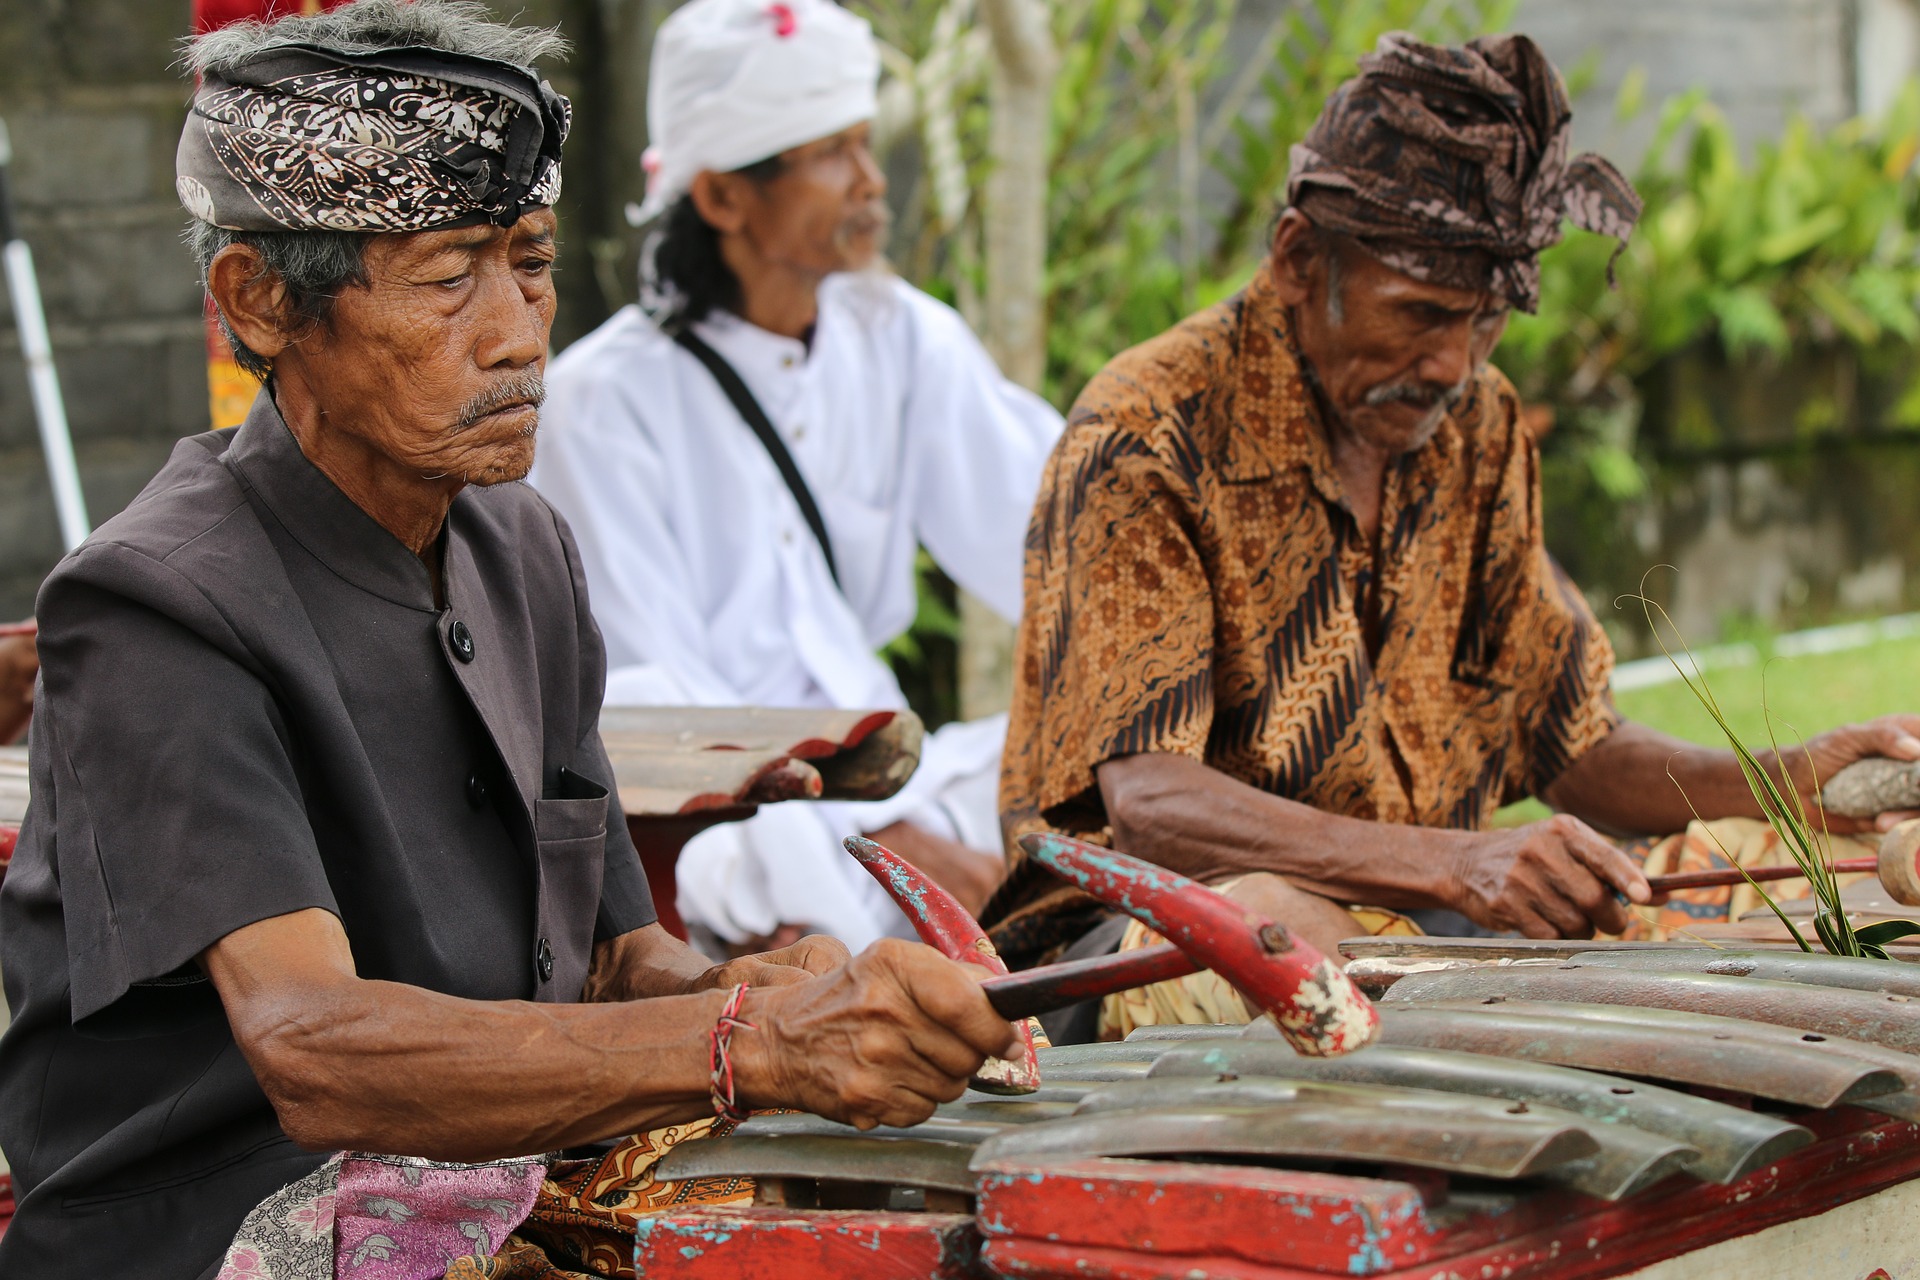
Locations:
(1899, 863)
(1310, 998)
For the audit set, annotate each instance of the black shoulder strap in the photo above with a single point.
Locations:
(749, 408)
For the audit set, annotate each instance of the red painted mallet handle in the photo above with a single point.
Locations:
(1055, 986)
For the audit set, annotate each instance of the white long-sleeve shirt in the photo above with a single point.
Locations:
(711, 589)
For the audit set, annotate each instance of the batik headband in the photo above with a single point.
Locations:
(308, 139)
(1451, 165)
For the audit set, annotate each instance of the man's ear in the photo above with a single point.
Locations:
(719, 198)
(1297, 268)
(253, 300)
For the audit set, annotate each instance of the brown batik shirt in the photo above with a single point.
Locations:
(1196, 584)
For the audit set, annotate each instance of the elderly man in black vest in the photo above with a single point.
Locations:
(322, 856)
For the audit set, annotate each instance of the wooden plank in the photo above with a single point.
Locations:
(807, 732)
(674, 761)
(677, 761)
(764, 1243)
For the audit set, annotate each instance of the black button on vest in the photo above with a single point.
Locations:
(543, 961)
(462, 641)
(477, 793)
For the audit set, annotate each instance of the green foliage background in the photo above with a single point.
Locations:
(1169, 151)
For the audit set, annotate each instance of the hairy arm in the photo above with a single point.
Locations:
(1639, 781)
(355, 1064)
(1549, 879)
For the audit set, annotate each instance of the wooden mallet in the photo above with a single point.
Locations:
(1898, 866)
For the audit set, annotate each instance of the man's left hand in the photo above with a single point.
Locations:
(651, 962)
(808, 958)
(1896, 737)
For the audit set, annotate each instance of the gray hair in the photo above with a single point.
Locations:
(316, 266)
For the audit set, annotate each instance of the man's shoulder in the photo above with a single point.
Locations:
(1154, 395)
(191, 498)
(188, 546)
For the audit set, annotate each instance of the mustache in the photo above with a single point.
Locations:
(874, 218)
(515, 389)
(1421, 394)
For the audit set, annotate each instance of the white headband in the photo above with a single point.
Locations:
(734, 82)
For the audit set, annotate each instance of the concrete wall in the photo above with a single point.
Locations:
(1761, 60)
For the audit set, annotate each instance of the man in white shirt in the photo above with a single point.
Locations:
(716, 578)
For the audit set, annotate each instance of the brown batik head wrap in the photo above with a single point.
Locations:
(309, 139)
(1451, 165)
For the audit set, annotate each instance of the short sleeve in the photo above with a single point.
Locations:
(1116, 648)
(181, 817)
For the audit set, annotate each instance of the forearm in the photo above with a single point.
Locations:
(355, 1064)
(1187, 817)
(1639, 781)
(387, 1067)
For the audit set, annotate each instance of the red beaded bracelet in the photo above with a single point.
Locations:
(721, 1081)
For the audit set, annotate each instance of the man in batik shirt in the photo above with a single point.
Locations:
(1291, 627)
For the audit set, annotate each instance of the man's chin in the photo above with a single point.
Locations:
(1395, 429)
(501, 467)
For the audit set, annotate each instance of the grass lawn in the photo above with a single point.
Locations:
(1806, 694)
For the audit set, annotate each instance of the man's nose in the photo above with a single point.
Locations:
(514, 324)
(872, 179)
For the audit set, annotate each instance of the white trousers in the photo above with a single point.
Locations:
(785, 865)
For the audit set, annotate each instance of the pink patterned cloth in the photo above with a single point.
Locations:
(372, 1217)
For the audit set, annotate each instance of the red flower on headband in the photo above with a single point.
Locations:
(785, 22)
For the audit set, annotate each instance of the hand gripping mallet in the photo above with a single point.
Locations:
(950, 929)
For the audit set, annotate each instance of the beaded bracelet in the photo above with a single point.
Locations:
(721, 1081)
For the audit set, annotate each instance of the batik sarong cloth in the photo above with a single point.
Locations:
(375, 1217)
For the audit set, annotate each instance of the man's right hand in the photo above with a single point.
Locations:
(1551, 879)
(881, 1041)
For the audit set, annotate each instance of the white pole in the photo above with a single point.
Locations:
(31, 322)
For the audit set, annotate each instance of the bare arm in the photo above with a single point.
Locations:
(1549, 879)
(1639, 781)
(19, 664)
(355, 1064)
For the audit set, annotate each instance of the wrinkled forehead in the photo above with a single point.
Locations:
(399, 249)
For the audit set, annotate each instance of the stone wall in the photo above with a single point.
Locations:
(94, 111)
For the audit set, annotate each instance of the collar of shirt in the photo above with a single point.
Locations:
(772, 366)
(322, 519)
